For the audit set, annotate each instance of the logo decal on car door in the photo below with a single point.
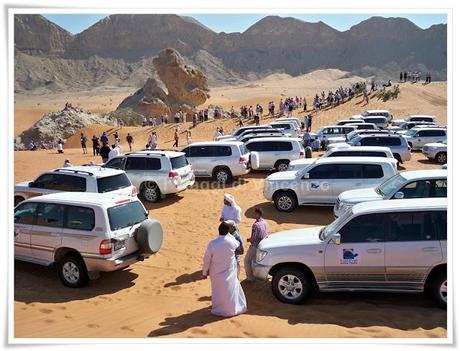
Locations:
(349, 256)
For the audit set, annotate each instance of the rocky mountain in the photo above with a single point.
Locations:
(118, 50)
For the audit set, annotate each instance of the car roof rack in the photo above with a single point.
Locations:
(73, 171)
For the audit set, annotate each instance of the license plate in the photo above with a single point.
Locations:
(119, 244)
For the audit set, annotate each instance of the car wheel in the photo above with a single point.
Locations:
(438, 289)
(18, 200)
(72, 272)
(223, 176)
(291, 285)
(441, 157)
(282, 166)
(285, 201)
(151, 192)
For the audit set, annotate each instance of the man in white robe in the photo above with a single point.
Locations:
(230, 211)
(219, 263)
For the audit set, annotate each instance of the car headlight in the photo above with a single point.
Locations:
(260, 255)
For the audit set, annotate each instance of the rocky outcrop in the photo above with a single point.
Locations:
(54, 125)
(174, 86)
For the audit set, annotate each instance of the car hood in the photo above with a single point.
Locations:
(22, 184)
(359, 195)
(286, 175)
(302, 162)
(293, 237)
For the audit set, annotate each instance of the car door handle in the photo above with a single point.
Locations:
(430, 249)
(374, 250)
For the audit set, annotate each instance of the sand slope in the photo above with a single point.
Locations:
(164, 295)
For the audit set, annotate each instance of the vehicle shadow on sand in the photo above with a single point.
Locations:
(170, 199)
(185, 279)
(308, 215)
(349, 310)
(28, 276)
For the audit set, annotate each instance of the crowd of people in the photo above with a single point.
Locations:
(414, 76)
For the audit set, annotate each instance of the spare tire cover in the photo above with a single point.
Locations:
(308, 152)
(254, 160)
(149, 236)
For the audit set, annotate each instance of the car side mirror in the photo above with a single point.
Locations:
(399, 195)
(31, 184)
(336, 238)
(306, 176)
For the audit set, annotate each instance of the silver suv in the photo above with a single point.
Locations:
(156, 173)
(276, 152)
(407, 185)
(92, 179)
(393, 245)
(84, 235)
(436, 151)
(417, 137)
(222, 160)
(322, 182)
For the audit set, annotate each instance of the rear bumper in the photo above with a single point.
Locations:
(240, 170)
(172, 189)
(101, 264)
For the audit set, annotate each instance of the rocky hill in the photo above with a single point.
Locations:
(118, 50)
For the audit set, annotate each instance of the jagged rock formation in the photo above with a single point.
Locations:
(54, 125)
(174, 86)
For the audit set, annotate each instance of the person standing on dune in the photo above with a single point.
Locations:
(220, 265)
(176, 137)
(83, 140)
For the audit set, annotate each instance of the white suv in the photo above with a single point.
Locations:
(155, 173)
(290, 128)
(394, 245)
(356, 151)
(276, 152)
(385, 113)
(322, 182)
(415, 118)
(407, 185)
(239, 131)
(417, 137)
(93, 179)
(84, 235)
(436, 151)
(221, 160)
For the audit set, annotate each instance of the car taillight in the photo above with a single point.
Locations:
(302, 154)
(243, 159)
(173, 175)
(134, 191)
(105, 247)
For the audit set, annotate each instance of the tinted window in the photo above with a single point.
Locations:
(410, 226)
(45, 181)
(221, 151)
(112, 183)
(81, 218)
(363, 229)
(440, 224)
(281, 126)
(50, 215)
(199, 151)
(186, 151)
(349, 171)
(135, 163)
(358, 153)
(70, 183)
(419, 119)
(283, 146)
(323, 172)
(418, 189)
(126, 215)
(439, 188)
(435, 133)
(372, 171)
(178, 162)
(243, 149)
(256, 146)
(391, 141)
(115, 163)
(152, 163)
(25, 213)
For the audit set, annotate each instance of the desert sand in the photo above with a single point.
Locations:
(164, 295)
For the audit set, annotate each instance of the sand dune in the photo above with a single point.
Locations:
(165, 297)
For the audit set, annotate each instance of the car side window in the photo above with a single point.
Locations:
(50, 215)
(26, 213)
(369, 228)
(70, 183)
(135, 163)
(221, 151)
(45, 181)
(115, 163)
(256, 146)
(410, 226)
(197, 151)
(417, 189)
(349, 171)
(152, 164)
(283, 146)
(372, 171)
(323, 172)
(370, 142)
(81, 218)
(440, 224)
(439, 188)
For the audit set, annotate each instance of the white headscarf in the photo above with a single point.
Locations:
(230, 199)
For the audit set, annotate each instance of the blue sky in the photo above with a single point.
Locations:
(76, 23)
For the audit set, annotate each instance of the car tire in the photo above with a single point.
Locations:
(149, 236)
(223, 175)
(72, 271)
(437, 289)
(441, 157)
(285, 201)
(398, 158)
(282, 165)
(18, 200)
(151, 192)
(291, 285)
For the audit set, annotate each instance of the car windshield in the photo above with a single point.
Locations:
(332, 228)
(179, 162)
(354, 139)
(391, 185)
(243, 150)
(126, 215)
(411, 132)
